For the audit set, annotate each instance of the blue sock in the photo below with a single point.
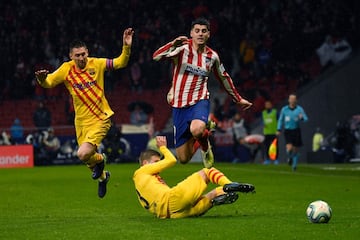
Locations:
(295, 160)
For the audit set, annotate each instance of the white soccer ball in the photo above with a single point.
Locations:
(319, 212)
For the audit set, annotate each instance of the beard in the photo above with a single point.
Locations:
(81, 64)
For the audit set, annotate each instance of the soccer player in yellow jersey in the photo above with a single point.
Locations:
(187, 198)
(83, 76)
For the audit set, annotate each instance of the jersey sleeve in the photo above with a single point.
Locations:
(121, 61)
(168, 161)
(166, 51)
(225, 80)
(304, 116)
(56, 77)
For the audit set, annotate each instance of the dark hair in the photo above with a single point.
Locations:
(201, 21)
(147, 154)
(76, 44)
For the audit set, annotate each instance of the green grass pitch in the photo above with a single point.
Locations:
(61, 203)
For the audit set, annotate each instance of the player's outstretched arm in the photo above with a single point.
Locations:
(170, 49)
(181, 40)
(41, 75)
(128, 36)
(161, 141)
(122, 60)
(245, 104)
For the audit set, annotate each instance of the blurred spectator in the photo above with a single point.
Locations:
(241, 146)
(115, 146)
(263, 59)
(317, 140)
(344, 142)
(50, 144)
(247, 52)
(135, 77)
(269, 119)
(258, 103)
(5, 138)
(333, 51)
(42, 117)
(218, 110)
(17, 131)
(138, 116)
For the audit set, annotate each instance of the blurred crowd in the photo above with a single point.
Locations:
(261, 42)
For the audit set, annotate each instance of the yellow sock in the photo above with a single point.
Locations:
(96, 158)
(103, 176)
(93, 160)
(216, 177)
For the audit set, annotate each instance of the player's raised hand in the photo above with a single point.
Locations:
(161, 141)
(245, 104)
(128, 36)
(180, 41)
(41, 75)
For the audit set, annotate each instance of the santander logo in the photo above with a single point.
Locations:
(16, 156)
(17, 159)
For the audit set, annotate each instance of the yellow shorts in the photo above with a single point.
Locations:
(185, 195)
(92, 133)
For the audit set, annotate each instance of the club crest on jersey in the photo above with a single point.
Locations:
(91, 71)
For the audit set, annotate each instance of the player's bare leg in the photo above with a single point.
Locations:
(96, 163)
(201, 134)
(185, 152)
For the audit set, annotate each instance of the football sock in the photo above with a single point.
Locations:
(295, 159)
(93, 160)
(204, 140)
(216, 177)
(102, 177)
(196, 146)
(96, 158)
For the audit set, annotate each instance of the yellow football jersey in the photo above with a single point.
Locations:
(153, 192)
(86, 86)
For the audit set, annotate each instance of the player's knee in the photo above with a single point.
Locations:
(204, 176)
(197, 128)
(183, 160)
(182, 154)
(197, 131)
(182, 157)
(82, 155)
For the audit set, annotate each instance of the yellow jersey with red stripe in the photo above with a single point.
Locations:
(86, 86)
(153, 192)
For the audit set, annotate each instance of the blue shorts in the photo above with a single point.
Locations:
(182, 118)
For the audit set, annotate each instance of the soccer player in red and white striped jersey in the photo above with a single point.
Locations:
(192, 63)
(83, 76)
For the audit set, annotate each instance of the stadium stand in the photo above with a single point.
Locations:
(290, 30)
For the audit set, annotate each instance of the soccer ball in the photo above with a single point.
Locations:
(319, 212)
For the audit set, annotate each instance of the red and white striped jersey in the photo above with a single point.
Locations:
(191, 72)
